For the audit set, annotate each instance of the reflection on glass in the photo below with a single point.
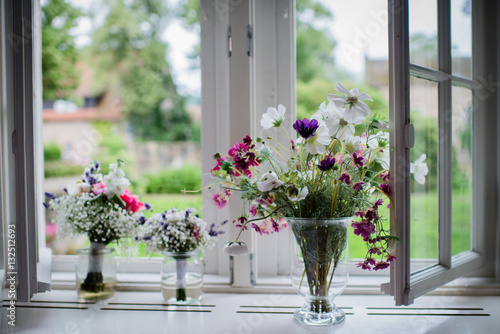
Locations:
(461, 38)
(424, 197)
(461, 170)
(423, 33)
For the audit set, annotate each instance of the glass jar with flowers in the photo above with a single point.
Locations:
(334, 169)
(180, 236)
(103, 209)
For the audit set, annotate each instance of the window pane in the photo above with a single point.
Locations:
(132, 92)
(461, 38)
(424, 197)
(461, 169)
(423, 33)
(340, 49)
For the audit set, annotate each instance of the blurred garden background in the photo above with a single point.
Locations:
(121, 79)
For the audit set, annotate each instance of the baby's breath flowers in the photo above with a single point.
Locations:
(99, 207)
(177, 231)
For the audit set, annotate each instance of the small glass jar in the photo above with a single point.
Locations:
(182, 277)
(95, 272)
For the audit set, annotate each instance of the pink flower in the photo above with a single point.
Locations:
(253, 211)
(99, 188)
(132, 202)
(220, 199)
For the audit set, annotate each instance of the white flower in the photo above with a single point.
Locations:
(381, 125)
(352, 144)
(334, 120)
(268, 181)
(419, 169)
(273, 117)
(294, 194)
(77, 188)
(316, 144)
(379, 144)
(352, 99)
(235, 248)
(115, 181)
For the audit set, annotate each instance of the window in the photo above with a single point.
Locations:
(260, 72)
(437, 110)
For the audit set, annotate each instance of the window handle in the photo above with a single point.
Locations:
(409, 132)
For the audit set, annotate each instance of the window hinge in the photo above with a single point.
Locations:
(249, 40)
(229, 41)
(409, 132)
(14, 143)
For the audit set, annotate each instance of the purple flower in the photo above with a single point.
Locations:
(148, 206)
(363, 228)
(346, 178)
(147, 237)
(50, 195)
(364, 266)
(326, 164)
(306, 128)
(45, 205)
(377, 203)
(386, 188)
(142, 220)
(358, 161)
(381, 265)
(358, 186)
(257, 228)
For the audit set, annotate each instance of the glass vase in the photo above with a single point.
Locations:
(182, 277)
(95, 272)
(319, 249)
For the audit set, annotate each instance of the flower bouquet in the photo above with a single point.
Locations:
(327, 175)
(179, 235)
(103, 209)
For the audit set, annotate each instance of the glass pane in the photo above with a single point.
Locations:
(423, 33)
(131, 90)
(332, 48)
(461, 38)
(424, 195)
(461, 170)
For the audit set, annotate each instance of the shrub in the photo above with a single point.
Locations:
(59, 169)
(173, 181)
(51, 152)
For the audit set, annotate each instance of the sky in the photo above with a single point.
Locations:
(358, 26)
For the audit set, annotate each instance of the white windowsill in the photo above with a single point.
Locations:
(145, 312)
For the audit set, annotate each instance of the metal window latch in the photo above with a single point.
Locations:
(249, 39)
(229, 42)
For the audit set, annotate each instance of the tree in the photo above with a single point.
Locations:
(129, 57)
(59, 53)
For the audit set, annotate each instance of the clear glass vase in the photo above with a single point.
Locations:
(95, 272)
(182, 277)
(319, 249)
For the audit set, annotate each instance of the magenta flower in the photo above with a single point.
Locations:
(220, 200)
(386, 189)
(358, 186)
(346, 178)
(306, 128)
(381, 265)
(363, 228)
(358, 160)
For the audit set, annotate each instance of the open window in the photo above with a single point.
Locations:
(439, 109)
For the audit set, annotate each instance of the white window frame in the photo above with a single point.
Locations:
(406, 286)
(235, 91)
